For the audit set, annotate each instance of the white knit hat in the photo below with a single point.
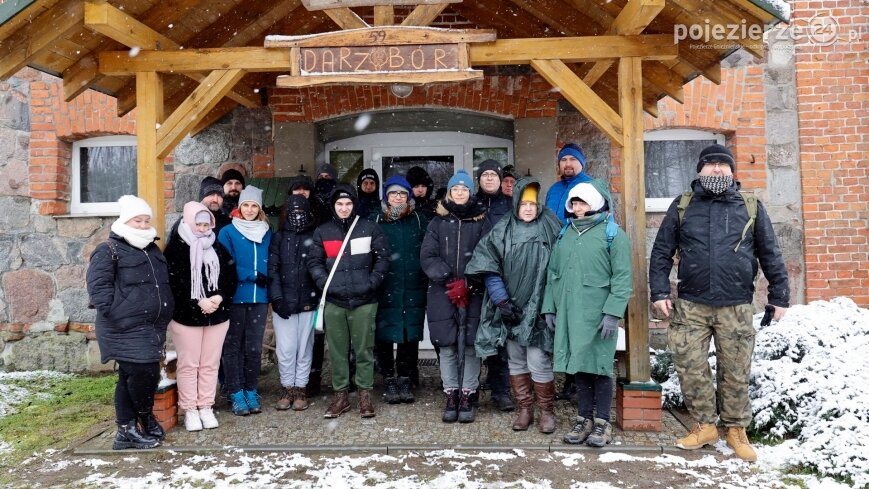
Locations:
(132, 206)
(251, 194)
(588, 194)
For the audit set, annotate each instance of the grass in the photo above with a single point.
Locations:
(58, 411)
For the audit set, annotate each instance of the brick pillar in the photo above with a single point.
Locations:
(166, 406)
(638, 406)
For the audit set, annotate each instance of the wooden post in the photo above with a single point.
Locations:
(149, 168)
(633, 198)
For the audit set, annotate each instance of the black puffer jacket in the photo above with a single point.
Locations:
(187, 311)
(710, 271)
(133, 301)
(363, 265)
(289, 279)
(446, 250)
(497, 205)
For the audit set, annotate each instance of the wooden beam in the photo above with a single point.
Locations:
(26, 16)
(346, 18)
(149, 165)
(392, 36)
(636, 15)
(663, 78)
(634, 198)
(251, 59)
(331, 4)
(194, 108)
(78, 76)
(31, 39)
(717, 16)
(557, 17)
(581, 96)
(573, 49)
(512, 23)
(409, 77)
(384, 15)
(423, 15)
(243, 24)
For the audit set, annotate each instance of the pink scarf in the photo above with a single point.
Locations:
(202, 254)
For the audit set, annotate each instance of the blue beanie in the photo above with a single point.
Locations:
(461, 178)
(396, 180)
(573, 150)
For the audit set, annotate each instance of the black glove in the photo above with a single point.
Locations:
(262, 280)
(550, 321)
(608, 326)
(281, 308)
(511, 314)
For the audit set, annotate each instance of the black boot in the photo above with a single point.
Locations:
(405, 390)
(391, 394)
(568, 390)
(129, 436)
(467, 410)
(451, 405)
(152, 427)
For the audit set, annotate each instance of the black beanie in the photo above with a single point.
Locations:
(489, 165)
(210, 185)
(716, 152)
(232, 174)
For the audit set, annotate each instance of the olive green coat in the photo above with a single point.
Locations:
(585, 280)
(518, 251)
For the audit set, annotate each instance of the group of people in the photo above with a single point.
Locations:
(531, 285)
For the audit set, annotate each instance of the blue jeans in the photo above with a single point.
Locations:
(243, 346)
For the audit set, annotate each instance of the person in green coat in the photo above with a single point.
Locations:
(402, 297)
(511, 260)
(587, 291)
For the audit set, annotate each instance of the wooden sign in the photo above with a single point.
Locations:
(390, 54)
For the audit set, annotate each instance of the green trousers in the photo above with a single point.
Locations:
(690, 331)
(343, 328)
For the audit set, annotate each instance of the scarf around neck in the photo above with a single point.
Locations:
(203, 258)
(139, 238)
(397, 212)
(252, 230)
(716, 184)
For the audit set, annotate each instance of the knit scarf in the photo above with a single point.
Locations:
(252, 230)
(140, 238)
(202, 258)
(396, 212)
(716, 184)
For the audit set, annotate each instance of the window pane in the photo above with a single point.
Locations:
(439, 168)
(671, 166)
(483, 154)
(348, 163)
(107, 172)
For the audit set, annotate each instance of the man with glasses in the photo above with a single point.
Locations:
(720, 235)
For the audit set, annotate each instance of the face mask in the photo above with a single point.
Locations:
(324, 186)
(299, 220)
(716, 184)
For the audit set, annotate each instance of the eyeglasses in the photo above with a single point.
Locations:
(716, 164)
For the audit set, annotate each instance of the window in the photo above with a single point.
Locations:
(103, 169)
(348, 164)
(671, 163)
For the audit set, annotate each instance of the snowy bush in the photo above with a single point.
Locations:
(809, 381)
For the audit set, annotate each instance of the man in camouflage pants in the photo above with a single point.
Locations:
(721, 235)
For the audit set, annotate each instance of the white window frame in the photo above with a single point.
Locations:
(662, 204)
(102, 208)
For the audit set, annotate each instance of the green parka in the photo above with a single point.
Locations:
(518, 252)
(585, 281)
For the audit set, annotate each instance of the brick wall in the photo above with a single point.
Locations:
(833, 108)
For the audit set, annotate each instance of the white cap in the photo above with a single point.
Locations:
(588, 194)
(251, 194)
(132, 206)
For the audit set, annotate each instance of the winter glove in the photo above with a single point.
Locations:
(608, 326)
(458, 292)
(262, 280)
(550, 321)
(511, 314)
(281, 308)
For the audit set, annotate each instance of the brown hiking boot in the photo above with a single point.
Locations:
(521, 385)
(738, 441)
(546, 403)
(700, 435)
(286, 399)
(300, 403)
(366, 409)
(340, 404)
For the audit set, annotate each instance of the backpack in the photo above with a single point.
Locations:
(750, 205)
(611, 230)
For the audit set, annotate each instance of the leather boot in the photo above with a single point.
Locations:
(340, 404)
(152, 426)
(366, 408)
(546, 402)
(130, 436)
(521, 385)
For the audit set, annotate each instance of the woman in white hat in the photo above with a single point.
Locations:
(128, 283)
(247, 240)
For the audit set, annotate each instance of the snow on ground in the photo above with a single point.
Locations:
(15, 387)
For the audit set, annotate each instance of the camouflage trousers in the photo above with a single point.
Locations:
(691, 328)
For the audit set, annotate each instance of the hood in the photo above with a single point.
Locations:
(298, 203)
(418, 176)
(519, 187)
(189, 214)
(300, 181)
(343, 190)
(603, 189)
(368, 172)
